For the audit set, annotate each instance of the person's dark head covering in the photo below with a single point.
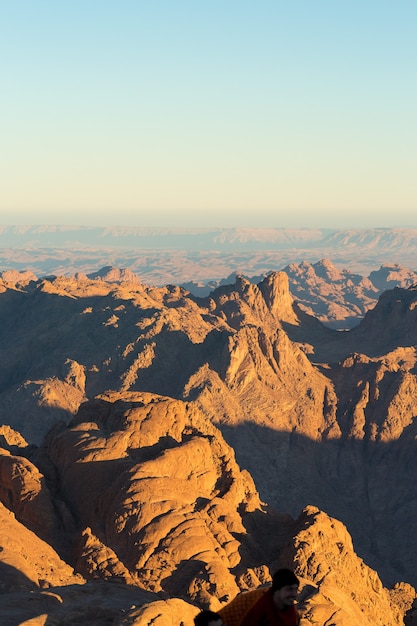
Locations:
(283, 578)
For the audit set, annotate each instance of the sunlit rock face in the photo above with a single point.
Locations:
(23, 491)
(27, 562)
(339, 586)
(162, 506)
(159, 495)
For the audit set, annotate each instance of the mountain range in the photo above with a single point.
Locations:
(163, 451)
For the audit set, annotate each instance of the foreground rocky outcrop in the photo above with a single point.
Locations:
(341, 588)
(164, 522)
(157, 494)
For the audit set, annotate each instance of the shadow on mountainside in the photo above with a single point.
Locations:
(101, 333)
(39, 331)
(12, 578)
(369, 486)
(95, 603)
(390, 324)
(177, 358)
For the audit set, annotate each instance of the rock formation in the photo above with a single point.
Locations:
(181, 448)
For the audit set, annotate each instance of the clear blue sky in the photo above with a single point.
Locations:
(209, 112)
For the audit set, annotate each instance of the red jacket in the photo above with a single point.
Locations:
(254, 608)
(266, 613)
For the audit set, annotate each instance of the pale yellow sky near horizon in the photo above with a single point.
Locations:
(216, 219)
(267, 114)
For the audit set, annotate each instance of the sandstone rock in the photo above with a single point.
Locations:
(344, 590)
(161, 492)
(111, 274)
(16, 279)
(173, 612)
(24, 492)
(11, 439)
(91, 604)
(95, 560)
(313, 415)
(27, 562)
(391, 275)
(336, 297)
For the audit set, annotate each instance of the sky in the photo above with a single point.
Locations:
(230, 113)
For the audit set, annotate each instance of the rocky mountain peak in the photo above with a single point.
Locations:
(112, 274)
(275, 290)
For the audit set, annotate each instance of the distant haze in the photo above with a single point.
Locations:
(179, 255)
(206, 218)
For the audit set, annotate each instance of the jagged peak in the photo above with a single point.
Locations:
(276, 293)
(111, 274)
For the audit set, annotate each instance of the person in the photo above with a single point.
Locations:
(208, 618)
(276, 607)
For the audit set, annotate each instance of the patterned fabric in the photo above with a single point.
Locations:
(257, 608)
(234, 612)
(266, 613)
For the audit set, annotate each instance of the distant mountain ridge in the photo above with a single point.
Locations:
(161, 256)
(338, 298)
(204, 238)
(160, 238)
